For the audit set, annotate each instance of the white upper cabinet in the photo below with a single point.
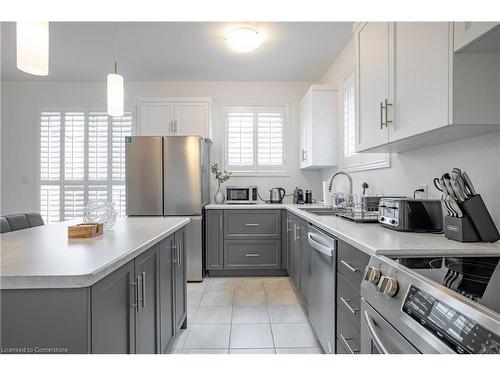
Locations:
(372, 82)
(318, 128)
(156, 118)
(179, 116)
(467, 33)
(420, 74)
(433, 94)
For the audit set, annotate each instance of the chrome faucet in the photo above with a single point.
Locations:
(350, 185)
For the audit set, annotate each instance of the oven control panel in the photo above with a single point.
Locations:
(458, 331)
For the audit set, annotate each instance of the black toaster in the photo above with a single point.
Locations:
(411, 215)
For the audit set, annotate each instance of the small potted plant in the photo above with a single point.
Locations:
(221, 177)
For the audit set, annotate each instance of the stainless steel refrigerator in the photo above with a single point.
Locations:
(169, 176)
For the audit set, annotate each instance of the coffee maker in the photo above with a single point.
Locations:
(298, 196)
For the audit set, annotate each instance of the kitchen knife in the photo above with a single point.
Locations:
(454, 205)
(457, 190)
(460, 181)
(446, 180)
(468, 183)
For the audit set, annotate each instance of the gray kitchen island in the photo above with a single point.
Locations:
(121, 292)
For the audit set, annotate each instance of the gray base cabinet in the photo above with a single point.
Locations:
(243, 241)
(180, 280)
(113, 326)
(147, 320)
(214, 240)
(351, 264)
(139, 308)
(167, 294)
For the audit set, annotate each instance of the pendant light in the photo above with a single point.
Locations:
(32, 47)
(115, 88)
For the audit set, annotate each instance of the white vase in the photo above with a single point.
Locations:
(219, 197)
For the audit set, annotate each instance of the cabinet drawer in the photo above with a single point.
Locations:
(351, 263)
(349, 300)
(240, 254)
(348, 334)
(252, 223)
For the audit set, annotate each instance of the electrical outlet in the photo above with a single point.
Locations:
(424, 194)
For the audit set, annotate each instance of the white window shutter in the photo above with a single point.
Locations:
(50, 146)
(240, 140)
(270, 139)
(119, 199)
(98, 147)
(74, 145)
(73, 202)
(50, 203)
(121, 127)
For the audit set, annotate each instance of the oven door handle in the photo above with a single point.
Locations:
(371, 329)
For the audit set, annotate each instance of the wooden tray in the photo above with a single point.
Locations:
(85, 230)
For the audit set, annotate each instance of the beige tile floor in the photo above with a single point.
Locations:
(245, 315)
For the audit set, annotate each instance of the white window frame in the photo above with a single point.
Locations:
(61, 182)
(262, 170)
(358, 161)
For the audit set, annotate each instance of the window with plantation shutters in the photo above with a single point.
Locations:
(255, 139)
(82, 158)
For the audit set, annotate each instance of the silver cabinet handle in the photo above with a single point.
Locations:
(382, 115)
(349, 267)
(134, 295)
(387, 105)
(346, 340)
(346, 303)
(172, 126)
(252, 225)
(180, 254)
(288, 222)
(143, 289)
(294, 232)
(139, 294)
(304, 155)
(220, 222)
(252, 255)
(371, 329)
(176, 126)
(174, 253)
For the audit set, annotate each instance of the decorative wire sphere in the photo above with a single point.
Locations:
(100, 211)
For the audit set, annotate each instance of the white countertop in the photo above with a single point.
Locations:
(373, 238)
(44, 257)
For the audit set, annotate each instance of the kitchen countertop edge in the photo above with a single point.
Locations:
(88, 279)
(449, 247)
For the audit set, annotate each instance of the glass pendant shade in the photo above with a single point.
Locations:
(115, 95)
(32, 44)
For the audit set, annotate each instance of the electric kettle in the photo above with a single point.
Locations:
(276, 195)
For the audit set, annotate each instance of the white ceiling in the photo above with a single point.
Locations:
(182, 51)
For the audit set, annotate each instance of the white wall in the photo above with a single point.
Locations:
(479, 156)
(21, 101)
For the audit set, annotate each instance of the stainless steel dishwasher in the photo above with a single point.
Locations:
(322, 287)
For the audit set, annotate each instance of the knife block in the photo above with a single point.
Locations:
(477, 213)
(460, 229)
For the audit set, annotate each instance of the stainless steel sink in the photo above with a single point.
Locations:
(322, 211)
(350, 214)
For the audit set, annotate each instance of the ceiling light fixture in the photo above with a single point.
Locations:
(115, 88)
(244, 39)
(32, 47)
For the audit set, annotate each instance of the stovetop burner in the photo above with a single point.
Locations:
(477, 278)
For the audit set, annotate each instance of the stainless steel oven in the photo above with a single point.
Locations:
(435, 304)
(241, 194)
